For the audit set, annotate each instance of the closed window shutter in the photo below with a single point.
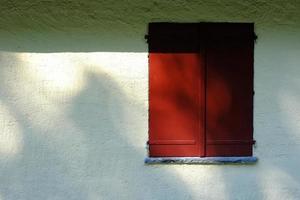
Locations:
(176, 86)
(200, 89)
(229, 89)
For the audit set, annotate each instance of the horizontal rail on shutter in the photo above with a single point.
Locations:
(172, 142)
(229, 142)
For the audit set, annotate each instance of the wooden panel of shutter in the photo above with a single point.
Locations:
(176, 91)
(229, 92)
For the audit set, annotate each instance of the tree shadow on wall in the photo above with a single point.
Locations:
(113, 131)
(89, 148)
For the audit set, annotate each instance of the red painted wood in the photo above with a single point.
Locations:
(229, 91)
(176, 104)
(200, 89)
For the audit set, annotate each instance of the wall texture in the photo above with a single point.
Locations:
(73, 102)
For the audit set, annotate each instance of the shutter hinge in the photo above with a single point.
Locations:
(254, 144)
(254, 36)
(147, 148)
(146, 37)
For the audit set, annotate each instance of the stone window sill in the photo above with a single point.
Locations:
(201, 160)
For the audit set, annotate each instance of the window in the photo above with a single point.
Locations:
(200, 89)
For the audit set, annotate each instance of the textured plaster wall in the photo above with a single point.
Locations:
(73, 102)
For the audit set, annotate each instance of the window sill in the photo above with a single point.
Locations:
(201, 160)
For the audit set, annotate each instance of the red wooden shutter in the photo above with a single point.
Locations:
(229, 89)
(200, 89)
(176, 85)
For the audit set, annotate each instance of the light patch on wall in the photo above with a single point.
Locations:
(55, 70)
(129, 70)
(277, 183)
(125, 64)
(290, 109)
(64, 73)
(10, 133)
(204, 176)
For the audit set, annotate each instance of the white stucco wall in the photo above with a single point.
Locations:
(73, 102)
